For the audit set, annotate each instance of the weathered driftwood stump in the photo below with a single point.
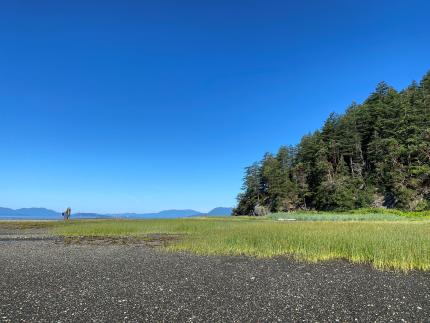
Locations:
(66, 214)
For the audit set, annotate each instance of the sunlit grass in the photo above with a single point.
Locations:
(384, 244)
(327, 216)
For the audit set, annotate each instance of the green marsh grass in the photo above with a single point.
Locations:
(400, 245)
(327, 216)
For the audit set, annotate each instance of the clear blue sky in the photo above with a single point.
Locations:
(112, 106)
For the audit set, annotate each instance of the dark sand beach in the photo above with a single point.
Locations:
(44, 279)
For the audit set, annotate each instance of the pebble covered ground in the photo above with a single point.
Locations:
(46, 280)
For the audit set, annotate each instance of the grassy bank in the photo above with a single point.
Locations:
(403, 245)
(347, 216)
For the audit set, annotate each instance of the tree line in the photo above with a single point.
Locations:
(376, 154)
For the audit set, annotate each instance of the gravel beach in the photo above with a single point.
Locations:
(46, 280)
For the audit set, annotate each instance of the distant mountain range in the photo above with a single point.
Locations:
(33, 213)
(221, 211)
(46, 214)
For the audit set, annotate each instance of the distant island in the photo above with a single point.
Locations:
(47, 214)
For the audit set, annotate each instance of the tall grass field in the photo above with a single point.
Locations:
(384, 243)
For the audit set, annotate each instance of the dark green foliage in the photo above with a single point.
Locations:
(377, 154)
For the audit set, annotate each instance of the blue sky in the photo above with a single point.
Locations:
(114, 106)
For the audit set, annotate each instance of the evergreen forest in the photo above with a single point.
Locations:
(376, 154)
